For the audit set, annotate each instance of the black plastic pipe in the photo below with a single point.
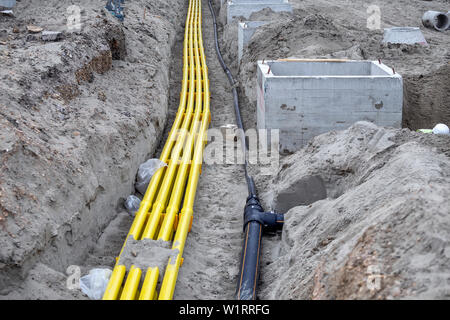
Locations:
(256, 220)
(250, 182)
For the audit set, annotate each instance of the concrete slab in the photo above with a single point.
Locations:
(246, 30)
(7, 3)
(406, 35)
(222, 2)
(245, 9)
(305, 98)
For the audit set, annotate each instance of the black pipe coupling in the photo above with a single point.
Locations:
(253, 211)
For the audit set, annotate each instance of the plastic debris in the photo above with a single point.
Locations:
(441, 129)
(50, 35)
(229, 132)
(132, 204)
(227, 127)
(9, 13)
(34, 29)
(94, 284)
(428, 131)
(146, 172)
(438, 129)
(114, 6)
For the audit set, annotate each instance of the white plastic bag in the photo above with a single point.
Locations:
(132, 204)
(441, 129)
(146, 172)
(94, 284)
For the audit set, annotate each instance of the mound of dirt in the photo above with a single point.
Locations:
(381, 230)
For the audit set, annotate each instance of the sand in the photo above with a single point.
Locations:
(147, 253)
(364, 216)
(384, 221)
(80, 116)
(77, 118)
(338, 29)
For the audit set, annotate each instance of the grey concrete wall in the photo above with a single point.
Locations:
(7, 3)
(303, 106)
(246, 30)
(246, 9)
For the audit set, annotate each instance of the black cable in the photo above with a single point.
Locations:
(250, 182)
(255, 219)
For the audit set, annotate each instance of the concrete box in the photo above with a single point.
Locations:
(304, 98)
(406, 35)
(222, 2)
(245, 9)
(7, 3)
(246, 30)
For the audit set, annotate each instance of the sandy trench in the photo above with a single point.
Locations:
(217, 230)
(213, 247)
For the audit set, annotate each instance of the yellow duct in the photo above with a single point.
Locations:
(183, 153)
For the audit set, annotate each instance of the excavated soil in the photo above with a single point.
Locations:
(381, 231)
(367, 208)
(77, 117)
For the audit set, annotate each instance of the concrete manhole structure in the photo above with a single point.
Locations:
(245, 8)
(246, 30)
(305, 98)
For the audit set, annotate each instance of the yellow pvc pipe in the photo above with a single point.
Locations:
(147, 201)
(131, 285)
(114, 284)
(186, 139)
(172, 269)
(149, 285)
(171, 274)
(160, 203)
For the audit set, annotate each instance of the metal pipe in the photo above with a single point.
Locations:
(437, 20)
(255, 219)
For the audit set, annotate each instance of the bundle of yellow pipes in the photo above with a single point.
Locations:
(159, 216)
